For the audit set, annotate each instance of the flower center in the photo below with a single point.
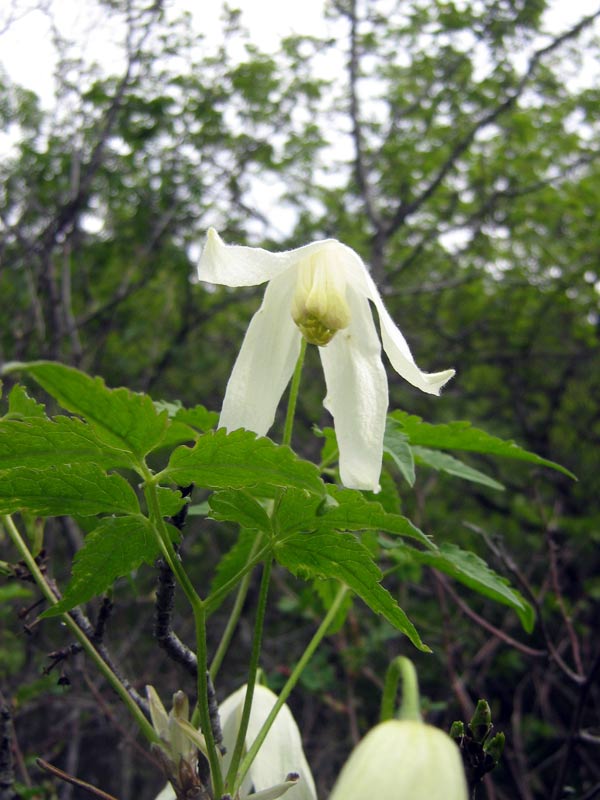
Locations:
(319, 305)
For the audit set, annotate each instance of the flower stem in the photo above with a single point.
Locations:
(240, 741)
(18, 541)
(200, 613)
(401, 668)
(234, 616)
(290, 683)
(292, 399)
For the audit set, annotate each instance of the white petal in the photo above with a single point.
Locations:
(265, 362)
(407, 760)
(398, 352)
(168, 793)
(357, 396)
(237, 265)
(281, 752)
(275, 791)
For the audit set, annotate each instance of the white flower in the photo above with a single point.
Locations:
(321, 291)
(403, 760)
(280, 766)
(280, 754)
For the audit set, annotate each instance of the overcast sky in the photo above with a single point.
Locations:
(26, 51)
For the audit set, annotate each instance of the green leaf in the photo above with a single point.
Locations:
(472, 571)
(453, 466)
(297, 510)
(330, 450)
(463, 436)
(121, 418)
(185, 423)
(116, 547)
(240, 460)
(198, 417)
(342, 557)
(395, 444)
(353, 512)
(170, 501)
(82, 489)
(40, 442)
(240, 507)
(21, 405)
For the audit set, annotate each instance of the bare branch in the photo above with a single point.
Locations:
(404, 210)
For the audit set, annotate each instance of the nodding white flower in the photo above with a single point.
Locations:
(280, 766)
(280, 760)
(320, 291)
(403, 760)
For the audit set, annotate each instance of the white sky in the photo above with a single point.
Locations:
(28, 56)
(27, 53)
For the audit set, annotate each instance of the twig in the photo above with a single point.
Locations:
(499, 634)
(64, 776)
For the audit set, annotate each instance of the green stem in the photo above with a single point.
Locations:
(199, 611)
(234, 616)
(289, 684)
(401, 668)
(292, 399)
(214, 600)
(143, 724)
(240, 741)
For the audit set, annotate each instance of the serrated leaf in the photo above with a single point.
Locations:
(342, 557)
(198, 417)
(463, 436)
(239, 507)
(297, 510)
(170, 501)
(123, 419)
(443, 462)
(395, 444)
(240, 460)
(116, 547)
(21, 405)
(40, 442)
(353, 512)
(472, 571)
(83, 489)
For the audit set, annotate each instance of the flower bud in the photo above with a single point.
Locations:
(403, 760)
(319, 305)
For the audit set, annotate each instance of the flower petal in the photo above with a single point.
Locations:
(357, 396)
(403, 759)
(275, 791)
(237, 265)
(398, 351)
(265, 362)
(281, 752)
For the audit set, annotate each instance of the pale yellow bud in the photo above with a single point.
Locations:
(403, 760)
(319, 305)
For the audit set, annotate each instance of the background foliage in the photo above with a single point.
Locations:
(454, 147)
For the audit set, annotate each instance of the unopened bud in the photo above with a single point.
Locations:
(481, 721)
